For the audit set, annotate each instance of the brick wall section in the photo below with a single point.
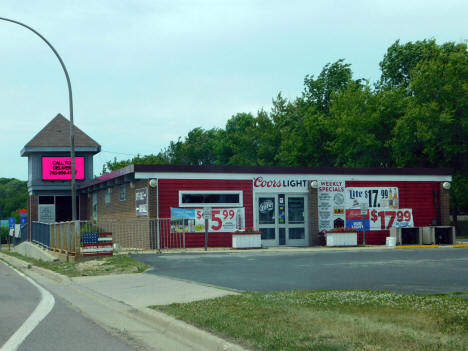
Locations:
(119, 217)
(153, 202)
(84, 207)
(116, 209)
(444, 206)
(313, 215)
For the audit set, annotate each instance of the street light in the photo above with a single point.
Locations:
(70, 100)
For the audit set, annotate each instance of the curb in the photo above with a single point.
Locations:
(13, 261)
(429, 246)
(176, 327)
(19, 263)
(416, 246)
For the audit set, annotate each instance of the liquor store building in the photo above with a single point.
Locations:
(290, 206)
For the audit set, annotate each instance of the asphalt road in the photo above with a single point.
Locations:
(62, 329)
(401, 270)
(18, 299)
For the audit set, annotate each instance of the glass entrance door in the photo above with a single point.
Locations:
(282, 219)
(267, 223)
(296, 220)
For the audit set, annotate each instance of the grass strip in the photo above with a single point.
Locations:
(118, 264)
(333, 320)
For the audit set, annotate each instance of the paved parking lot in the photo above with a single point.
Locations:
(409, 270)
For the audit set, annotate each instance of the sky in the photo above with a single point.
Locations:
(146, 72)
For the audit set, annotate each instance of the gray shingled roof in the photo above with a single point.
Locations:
(57, 133)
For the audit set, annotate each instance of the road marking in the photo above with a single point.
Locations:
(39, 313)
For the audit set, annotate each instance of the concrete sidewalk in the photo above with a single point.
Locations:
(119, 304)
(143, 290)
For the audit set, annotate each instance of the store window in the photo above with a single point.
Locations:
(46, 200)
(95, 206)
(107, 196)
(210, 198)
(123, 192)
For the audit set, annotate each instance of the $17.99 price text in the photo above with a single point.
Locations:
(391, 218)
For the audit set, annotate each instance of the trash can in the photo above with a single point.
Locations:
(390, 241)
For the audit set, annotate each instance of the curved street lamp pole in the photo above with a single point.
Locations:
(72, 136)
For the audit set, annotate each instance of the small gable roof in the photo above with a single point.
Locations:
(57, 134)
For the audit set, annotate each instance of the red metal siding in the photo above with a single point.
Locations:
(169, 197)
(418, 196)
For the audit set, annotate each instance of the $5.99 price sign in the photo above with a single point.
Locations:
(221, 220)
(385, 219)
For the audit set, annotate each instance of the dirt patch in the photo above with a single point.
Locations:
(91, 265)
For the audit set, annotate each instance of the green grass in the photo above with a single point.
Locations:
(118, 264)
(333, 320)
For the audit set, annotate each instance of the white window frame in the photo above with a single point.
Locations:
(236, 192)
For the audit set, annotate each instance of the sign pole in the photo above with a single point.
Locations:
(206, 233)
(364, 230)
(11, 226)
(364, 210)
(207, 215)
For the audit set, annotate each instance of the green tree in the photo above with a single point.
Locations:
(433, 130)
(269, 139)
(113, 165)
(239, 141)
(305, 133)
(198, 148)
(13, 196)
(401, 59)
(333, 78)
(361, 123)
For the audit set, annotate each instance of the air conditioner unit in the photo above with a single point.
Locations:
(439, 235)
(407, 236)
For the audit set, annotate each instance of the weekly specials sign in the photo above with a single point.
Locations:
(331, 204)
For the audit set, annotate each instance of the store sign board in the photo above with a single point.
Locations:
(375, 197)
(331, 204)
(141, 201)
(46, 213)
(369, 208)
(381, 220)
(59, 168)
(220, 220)
(277, 183)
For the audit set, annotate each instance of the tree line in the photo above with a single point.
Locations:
(13, 197)
(415, 115)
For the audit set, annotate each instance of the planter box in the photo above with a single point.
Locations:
(341, 239)
(247, 240)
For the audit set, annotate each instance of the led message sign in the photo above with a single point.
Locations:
(59, 168)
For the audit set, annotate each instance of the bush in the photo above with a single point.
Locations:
(3, 235)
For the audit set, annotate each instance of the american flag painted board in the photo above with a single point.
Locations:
(96, 244)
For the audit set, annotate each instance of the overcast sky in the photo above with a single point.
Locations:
(146, 72)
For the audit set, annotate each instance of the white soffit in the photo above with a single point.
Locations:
(319, 177)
